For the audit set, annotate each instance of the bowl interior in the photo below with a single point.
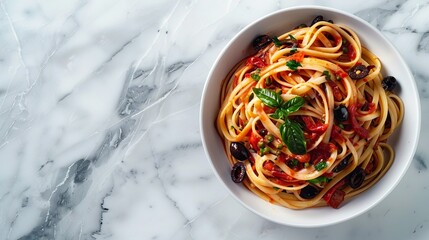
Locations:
(404, 141)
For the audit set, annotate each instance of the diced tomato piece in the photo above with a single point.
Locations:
(341, 74)
(299, 56)
(269, 110)
(351, 53)
(362, 132)
(313, 126)
(338, 96)
(256, 62)
(282, 158)
(253, 140)
(337, 198)
(282, 176)
(336, 134)
(322, 152)
(303, 158)
(334, 197)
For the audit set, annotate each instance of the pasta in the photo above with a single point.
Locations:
(305, 120)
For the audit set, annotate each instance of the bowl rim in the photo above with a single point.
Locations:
(406, 69)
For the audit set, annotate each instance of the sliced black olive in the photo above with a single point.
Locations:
(356, 178)
(308, 192)
(261, 41)
(239, 151)
(358, 72)
(302, 25)
(341, 113)
(238, 172)
(317, 19)
(389, 83)
(343, 164)
(330, 21)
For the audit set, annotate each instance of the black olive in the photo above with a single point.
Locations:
(308, 192)
(302, 25)
(358, 72)
(341, 113)
(330, 21)
(239, 151)
(261, 41)
(343, 164)
(263, 132)
(238, 172)
(317, 19)
(356, 178)
(389, 83)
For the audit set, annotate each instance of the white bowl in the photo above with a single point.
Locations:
(404, 141)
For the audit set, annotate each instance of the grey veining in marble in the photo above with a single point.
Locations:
(99, 135)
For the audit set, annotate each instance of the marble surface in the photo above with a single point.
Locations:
(99, 108)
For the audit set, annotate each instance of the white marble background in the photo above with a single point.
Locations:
(99, 135)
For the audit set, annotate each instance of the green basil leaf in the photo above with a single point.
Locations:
(293, 136)
(320, 165)
(293, 65)
(294, 104)
(280, 114)
(269, 97)
(321, 179)
(292, 37)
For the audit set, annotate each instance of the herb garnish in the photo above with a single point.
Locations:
(277, 42)
(320, 165)
(321, 179)
(255, 76)
(291, 131)
(293, 65)
(327, 75)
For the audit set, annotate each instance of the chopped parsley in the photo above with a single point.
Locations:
(255, 76)
(292, 37)
(293, 65)
(321, 179)
(327, 75)
(277, 42)
(320, 165)
(268, 81)
(293, 50)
